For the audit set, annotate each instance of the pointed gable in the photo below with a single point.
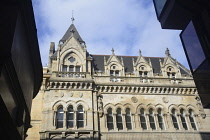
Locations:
(72, 31)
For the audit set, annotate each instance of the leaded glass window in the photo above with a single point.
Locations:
(119, 119)
(143, 119)
(151, 119)
(160, 119)
(59, 117)
(128, 119)
(70, 117)
(184, 124)
(80, 117)
(192, 121)
(174, 119)
(110, 124)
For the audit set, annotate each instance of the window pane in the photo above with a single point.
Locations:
(160, 119)
(59, 118)
(151, 119)
(140, 74)
(80, 117)
(116, 73)
(77, 68)
(70, 124)
(119, 119)
(71, 68)
(142, 119)
(192, 120)
(175, 123)
(111, 73)
(182, 116)
(159, 4)
(64, 68)
(192, 46)
(110, 119)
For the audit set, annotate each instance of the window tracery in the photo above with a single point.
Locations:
(143, 72)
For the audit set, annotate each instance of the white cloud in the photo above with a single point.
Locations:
(125, 25)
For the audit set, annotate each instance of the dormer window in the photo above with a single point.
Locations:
(114, 71)
(143, 71)
(170, 72)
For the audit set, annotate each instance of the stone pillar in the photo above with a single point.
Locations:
(124, 122)
(179, 122)
(75, 119)
(156, 122)
(64, 119)
(169, 124)
(136, 122)
(147, 122)
(114, 121)
(189, 126)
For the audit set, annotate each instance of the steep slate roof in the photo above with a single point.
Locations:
(71, 30)
(98, 63)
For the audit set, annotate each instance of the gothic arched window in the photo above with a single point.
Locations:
(151, 119)
(192, 121)
(59, 117)
(160, 118)
(143, 119)
(128, 119)
(80, 117)
(171, 72)
(70, 117)
(119, 119)
(174, 119)
(143, 71)
(110, 124)
(182, 115)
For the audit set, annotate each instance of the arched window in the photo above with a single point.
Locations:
(170, 72)
(174, 119)
(80, 117)
(151, 119)
(119, 119)
(184, 124)
(160, 119)
(70, 117)
(192, 121)
(128, 119)
(143, 119)
(59, 117)
(110, 124)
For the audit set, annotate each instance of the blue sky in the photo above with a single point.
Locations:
(125, 25)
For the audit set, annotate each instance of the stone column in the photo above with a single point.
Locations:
(169, 123)
(179, 122)
(147, 122)
(75, 119)
(189, 126)
(136, 122)
(114, 121)
(124, 121)
(156, 122)
(64, 119)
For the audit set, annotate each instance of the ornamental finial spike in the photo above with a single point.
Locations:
(112, 51)
(167, 52)
(72, 19)
(140, 52)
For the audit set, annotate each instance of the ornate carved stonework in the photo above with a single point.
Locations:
(100, 106)
(134, 99)
(165, 100)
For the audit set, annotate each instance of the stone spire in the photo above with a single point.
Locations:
(112, 51)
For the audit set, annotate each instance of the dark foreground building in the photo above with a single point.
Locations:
(193, 18)
(20, 67)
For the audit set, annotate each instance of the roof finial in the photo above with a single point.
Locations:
(112, 51)
(167, 52)
(140, 52)
(72, 19)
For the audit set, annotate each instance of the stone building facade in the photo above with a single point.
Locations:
(112, 97)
